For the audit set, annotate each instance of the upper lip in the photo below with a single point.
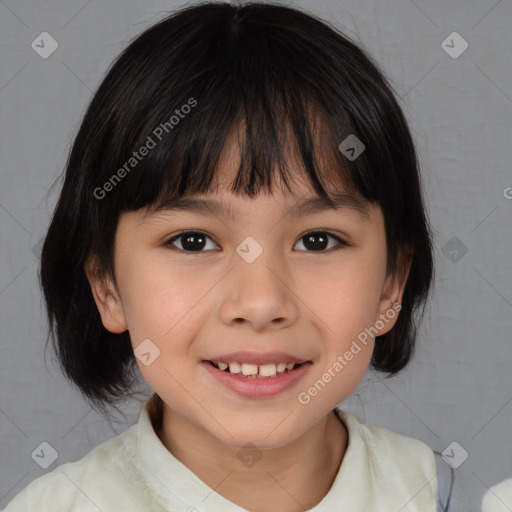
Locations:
(258, 357)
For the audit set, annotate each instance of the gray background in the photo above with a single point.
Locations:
(458, 387)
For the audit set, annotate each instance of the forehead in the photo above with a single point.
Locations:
(230, 207)
(274, 208)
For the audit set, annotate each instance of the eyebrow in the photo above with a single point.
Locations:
(304, 207)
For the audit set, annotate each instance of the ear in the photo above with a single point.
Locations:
(392, 293)
(107, 299)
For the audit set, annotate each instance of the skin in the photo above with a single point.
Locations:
(294, 299)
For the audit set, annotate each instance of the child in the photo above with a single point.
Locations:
(242, 221)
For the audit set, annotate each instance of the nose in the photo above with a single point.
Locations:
(258, 294)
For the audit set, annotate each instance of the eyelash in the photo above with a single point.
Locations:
(341, 243)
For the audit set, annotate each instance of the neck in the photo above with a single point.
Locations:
(295, 477)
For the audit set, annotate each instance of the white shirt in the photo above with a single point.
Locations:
(498, 498)
(381, 471)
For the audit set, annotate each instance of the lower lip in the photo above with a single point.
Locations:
(254, 387)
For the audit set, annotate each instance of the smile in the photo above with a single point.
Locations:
(256, 381)
(249, 370)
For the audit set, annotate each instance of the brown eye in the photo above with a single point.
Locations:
(190, 241)
(197, 242)
(318, 241)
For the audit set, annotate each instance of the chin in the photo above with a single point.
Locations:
(262, 436)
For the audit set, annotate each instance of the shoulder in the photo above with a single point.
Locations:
(89, 484)
(394, 460)
(381, 440)
(498, 498)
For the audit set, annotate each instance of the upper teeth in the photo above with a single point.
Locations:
(262, 370)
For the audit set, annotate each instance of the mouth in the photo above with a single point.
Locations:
(256, 381)
(255, 371)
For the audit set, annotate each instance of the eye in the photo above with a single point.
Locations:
(196, 241)
(191, 241)
(316, 241)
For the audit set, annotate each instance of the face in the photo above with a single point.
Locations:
(254, 292)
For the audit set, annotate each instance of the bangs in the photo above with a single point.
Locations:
(243, 88)
(276, 133)
(261, 150)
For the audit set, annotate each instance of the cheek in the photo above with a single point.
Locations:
(158, 295)
(161, 306)
(345, 297)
